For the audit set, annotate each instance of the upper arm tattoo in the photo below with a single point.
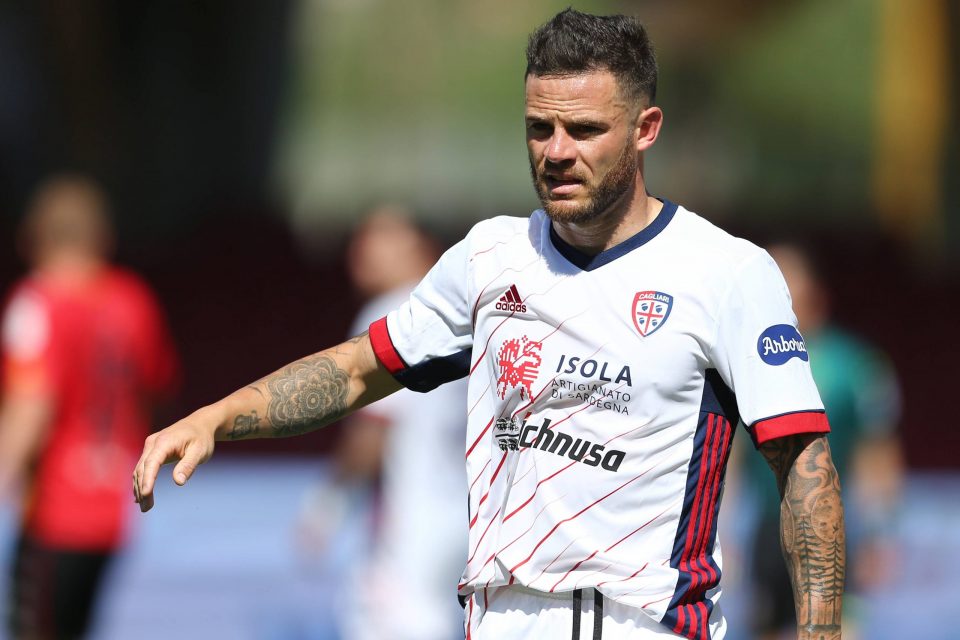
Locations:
(811, 530)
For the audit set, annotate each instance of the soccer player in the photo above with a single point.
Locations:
(612, 340)
(85, 353)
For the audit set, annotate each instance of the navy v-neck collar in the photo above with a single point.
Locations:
(588, 262)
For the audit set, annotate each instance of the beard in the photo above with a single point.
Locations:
(600, 197)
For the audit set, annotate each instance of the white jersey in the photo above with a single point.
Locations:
(603, 391)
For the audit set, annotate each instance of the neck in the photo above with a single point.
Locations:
(622, 221)
(69, 266)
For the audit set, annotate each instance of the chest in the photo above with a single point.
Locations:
(606, 339)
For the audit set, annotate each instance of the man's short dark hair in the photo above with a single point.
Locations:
(573, 42)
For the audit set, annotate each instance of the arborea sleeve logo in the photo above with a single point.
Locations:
(651, 310)
(777, 344)
(519, 361)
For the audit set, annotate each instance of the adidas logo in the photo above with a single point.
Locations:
(511, 301)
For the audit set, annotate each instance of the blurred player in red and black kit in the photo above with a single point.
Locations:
(85, 352)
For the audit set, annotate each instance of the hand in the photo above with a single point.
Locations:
(188, 442)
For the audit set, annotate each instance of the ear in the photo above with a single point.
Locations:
(647, 127)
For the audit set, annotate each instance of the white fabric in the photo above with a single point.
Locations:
(421, 539)
(510, 612)
(575, 352)
(26, 326)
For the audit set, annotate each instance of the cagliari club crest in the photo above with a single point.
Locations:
(651, 310)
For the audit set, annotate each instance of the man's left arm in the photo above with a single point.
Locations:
(811, 530)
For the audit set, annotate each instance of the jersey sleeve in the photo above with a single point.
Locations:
(762, 357)
(427, 341)
(27, 351)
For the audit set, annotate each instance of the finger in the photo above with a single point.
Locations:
(146, 503)
(192, 458)
(138, 469)
(148, 475)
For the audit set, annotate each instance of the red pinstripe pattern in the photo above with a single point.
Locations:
(571, 570)
(479, 475)
(530, 469)
(479, 437)
(559, 471)
(630, 577)
(577, 565)
(530, 499)
(692, 612)
(704, 614)
(690, 559)
(692, 621)
(651, 602)
(486, 345)
(681, 620)
(480, 397)
(584, 579)
(643, 526)
(707, 575)
(575, 516)
(493, 246)
(553, 562)
(483, 499)
(719, 461)
(476, 304)
(489, 524)
(511, 543)
(470, 619)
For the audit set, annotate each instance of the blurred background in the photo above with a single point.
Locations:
(240, 142)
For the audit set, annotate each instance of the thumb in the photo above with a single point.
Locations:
(187, 465)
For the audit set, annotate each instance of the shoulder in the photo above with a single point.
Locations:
(504, 229)
(128, 290)
(26, 319)
(705, 243)
(127, 282)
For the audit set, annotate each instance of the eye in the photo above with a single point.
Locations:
(539, 128)
(581, 131)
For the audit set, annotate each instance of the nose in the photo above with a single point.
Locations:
(561, 147)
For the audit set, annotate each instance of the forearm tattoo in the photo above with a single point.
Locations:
(245, 425)
(303, 396)
(306, 395)
(811, 531)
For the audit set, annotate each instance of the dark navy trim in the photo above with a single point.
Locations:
(589, 263)
(430, 374)
(718, 403)
(718, 398)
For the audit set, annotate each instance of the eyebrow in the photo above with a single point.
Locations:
(573, 121)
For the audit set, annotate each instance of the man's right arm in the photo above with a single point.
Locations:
(301, 397)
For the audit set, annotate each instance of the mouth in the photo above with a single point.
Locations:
(560, 186)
